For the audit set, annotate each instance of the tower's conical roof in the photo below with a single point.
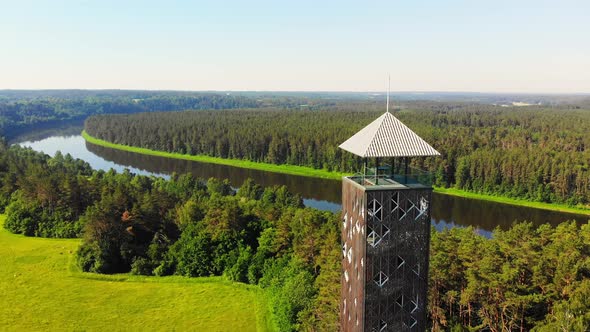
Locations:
(387, 137)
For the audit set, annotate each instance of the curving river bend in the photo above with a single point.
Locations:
(447, 211)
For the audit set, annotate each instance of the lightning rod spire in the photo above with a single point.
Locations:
(388, 88)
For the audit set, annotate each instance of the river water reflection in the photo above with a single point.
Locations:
(447, 211)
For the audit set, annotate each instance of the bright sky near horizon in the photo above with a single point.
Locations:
(304, 45)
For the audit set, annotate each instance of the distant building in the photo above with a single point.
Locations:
(385, 231)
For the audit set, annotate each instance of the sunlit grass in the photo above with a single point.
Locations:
(512, 201)
(41, 289)
(284, 169)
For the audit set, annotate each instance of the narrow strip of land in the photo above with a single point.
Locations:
(513, 201)
(284, 169)
(324, 174)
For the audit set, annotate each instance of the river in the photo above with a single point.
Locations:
(447, 211)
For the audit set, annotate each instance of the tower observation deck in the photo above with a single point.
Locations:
(385, 231)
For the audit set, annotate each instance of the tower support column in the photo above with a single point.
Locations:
(385, 249)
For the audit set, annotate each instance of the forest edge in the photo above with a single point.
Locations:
(324, 174)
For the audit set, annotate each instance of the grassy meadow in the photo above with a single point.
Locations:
(43, 290)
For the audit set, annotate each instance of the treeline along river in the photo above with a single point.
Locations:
(520, 279)
(538, 154)
(447, 211)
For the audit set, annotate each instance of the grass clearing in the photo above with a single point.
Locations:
(43, 290)
(311, 172)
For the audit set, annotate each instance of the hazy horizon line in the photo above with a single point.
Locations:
(579, 93)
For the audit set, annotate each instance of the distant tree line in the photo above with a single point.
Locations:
(535, 153)
(21, 111)
(521, 279)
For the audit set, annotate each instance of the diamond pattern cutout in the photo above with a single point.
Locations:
(376, 231)
(399, 262)
(380, 279)
(381, 218)
(414, 307)
(402, 213)
(400, 301)
(394, 202)
(373, 239)
(384, 230)
(374, 209)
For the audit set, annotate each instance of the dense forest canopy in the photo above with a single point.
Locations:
(522, 278)
(183, 226)
(536, 153)
(21, 109)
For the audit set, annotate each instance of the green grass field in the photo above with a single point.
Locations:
(41, 289)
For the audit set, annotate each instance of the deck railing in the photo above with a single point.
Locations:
(385, 176)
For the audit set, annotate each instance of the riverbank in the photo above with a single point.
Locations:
(284, 169)
(317, 173)
(513, 201)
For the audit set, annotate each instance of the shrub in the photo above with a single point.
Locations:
(239, 271)
(142, 266)
(21, 216)
(88, 257)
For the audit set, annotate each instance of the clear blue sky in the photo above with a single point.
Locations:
(472, 45)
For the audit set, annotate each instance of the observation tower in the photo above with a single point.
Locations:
(385, 230)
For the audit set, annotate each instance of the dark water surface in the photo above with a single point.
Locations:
(447, 211)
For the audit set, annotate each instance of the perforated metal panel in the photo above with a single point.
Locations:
(390, 246)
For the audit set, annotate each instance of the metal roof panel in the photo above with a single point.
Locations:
(387, 137)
